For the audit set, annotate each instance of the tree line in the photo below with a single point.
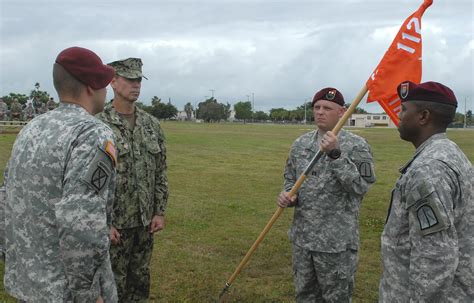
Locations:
(210, 110)
(41, 95)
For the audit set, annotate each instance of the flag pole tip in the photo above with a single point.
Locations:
(427, 3)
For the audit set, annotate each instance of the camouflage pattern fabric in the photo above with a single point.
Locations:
(331, 194)
(3, 110)
(141, 192)
(37, 104)
(132, 278)
(339, 267)
(3, 201)
(428, 239)
(16, 111)
(51, 105)
(142, 182)
(59, 188)
(130, 68)
(15, 107)
(29, 111)
(43, 109)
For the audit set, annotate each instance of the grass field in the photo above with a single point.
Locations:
(224, 179)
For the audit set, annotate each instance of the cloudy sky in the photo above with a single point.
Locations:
(279, 52)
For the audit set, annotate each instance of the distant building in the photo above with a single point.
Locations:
(232, 116)
(181, 116)
(370, 120)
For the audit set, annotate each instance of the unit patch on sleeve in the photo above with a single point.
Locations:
(365, 171)
(99, 178)
(426, 217)
(431, 216)
(98, 171)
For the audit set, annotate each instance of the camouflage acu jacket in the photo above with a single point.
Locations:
(142, 182)
(59, 187)
(326, 216)
(428, 239)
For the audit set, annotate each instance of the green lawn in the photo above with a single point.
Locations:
(224, 179)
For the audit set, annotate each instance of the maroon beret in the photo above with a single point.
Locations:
(329, 94)
(86, 66)
(427, 91)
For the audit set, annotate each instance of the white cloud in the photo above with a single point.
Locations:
(282, 51)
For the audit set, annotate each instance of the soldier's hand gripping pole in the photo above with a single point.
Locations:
(292, 192)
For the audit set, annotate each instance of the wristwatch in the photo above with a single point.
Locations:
(334, 154)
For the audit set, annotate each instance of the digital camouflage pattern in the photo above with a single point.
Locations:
(59, 188)
(29, 111)
(142, 182)
(331, 194)
(428, 239)
(51, 104)
(43, 109)
(37, 104)
(3, 110)
(130, 68)
(3, 201)
(15, 110)
(309, 265)
(15, 107)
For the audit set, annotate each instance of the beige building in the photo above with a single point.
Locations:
(370, 120)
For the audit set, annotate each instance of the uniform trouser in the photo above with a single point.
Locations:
(323, 277)
(131, 264)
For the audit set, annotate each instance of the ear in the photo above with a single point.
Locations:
(424, 117)
(89, 91)
(342, 110)
(112, 83)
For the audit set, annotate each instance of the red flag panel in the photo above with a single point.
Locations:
(401, 62)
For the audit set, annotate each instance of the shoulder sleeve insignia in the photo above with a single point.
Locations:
(99, 177)
(365, 170)
(111, 151)
(363, 160)
(99, 171)
(431, 216)
(426, 217)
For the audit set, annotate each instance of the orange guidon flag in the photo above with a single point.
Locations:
(401, 62)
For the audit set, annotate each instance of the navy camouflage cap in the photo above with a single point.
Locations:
(130, 68)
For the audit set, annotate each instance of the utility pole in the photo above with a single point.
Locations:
(195, 110)
(253, 102)
(305, 111)
(465, 112)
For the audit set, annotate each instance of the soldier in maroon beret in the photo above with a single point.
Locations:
(324, 250)
(59, 186)
(428, 239)
(430, 98)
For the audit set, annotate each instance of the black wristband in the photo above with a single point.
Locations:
(334, 154)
